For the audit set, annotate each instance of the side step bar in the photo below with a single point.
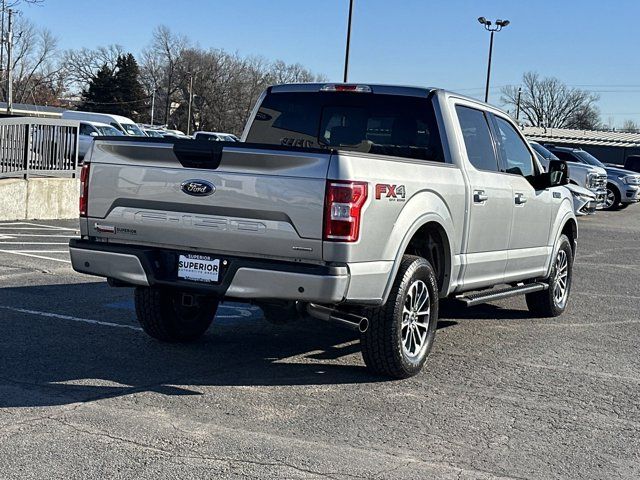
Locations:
(471, 299)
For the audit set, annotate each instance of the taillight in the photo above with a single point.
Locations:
(84, 189)
(343, 208)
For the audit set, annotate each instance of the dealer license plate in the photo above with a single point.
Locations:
(199, 268)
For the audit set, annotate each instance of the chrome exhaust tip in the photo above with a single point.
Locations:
(339, 317)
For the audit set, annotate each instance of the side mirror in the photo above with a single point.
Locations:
(558, 173)
(93, 134)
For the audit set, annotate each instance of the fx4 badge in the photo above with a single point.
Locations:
(395, 193)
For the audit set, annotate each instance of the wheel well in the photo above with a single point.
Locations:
(570, 229)
(431, 242)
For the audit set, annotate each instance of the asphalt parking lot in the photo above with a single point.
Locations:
(85, 394)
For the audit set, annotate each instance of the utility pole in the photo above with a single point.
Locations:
(346, 55)
(153, 104)
(190, 102)
(9, 61)
(3, 7)
(518, 106)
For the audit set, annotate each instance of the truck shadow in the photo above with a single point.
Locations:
(56, 357)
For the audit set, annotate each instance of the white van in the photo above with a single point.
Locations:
(124, 124)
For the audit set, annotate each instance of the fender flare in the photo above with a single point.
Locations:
(415, 226)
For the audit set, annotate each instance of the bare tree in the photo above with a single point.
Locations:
(81, 65)
(36, 73)
(549, 102)
(160, 63)
(630, 126)
(6, 5)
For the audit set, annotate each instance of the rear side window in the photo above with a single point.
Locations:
(514, 151)
(401, 126)
(477, 138)
(566, 156)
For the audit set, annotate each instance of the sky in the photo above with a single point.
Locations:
(585, 43)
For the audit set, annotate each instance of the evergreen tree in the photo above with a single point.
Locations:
(128, 89)
(117, 91)
(100, 95)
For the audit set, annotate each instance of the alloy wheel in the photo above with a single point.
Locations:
(416, 315)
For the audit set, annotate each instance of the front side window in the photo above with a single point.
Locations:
(516, 155)
(392, 125)
(477, 138)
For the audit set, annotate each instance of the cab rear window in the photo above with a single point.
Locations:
(400, 126)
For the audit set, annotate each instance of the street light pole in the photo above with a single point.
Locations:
(346, 55)
(493, 28)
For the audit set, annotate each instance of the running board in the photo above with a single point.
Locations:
(472, 299)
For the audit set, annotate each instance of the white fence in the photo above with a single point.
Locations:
(38, 147)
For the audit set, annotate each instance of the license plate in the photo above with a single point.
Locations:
(199, 268)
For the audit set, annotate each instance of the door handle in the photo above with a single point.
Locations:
(479, 196)
(520, 199)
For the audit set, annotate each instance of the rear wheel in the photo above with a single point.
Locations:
(612, 200)
(402, 331)
(553, 301)
(172, 315)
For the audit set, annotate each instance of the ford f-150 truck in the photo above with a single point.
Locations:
(357, 204)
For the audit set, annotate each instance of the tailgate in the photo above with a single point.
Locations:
(255, 202)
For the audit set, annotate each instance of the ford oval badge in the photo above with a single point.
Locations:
(198, 188)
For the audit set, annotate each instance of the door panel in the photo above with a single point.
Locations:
(531, 220)
(490, 203)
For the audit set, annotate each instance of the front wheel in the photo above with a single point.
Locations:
(401, 332)
(172, 316)
(612, 200)
(553, 301)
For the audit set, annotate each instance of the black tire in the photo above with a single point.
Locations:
(163, 316)
(622, 206)
(545, 303)
(613, 195)
(277, 314)
(383, 349)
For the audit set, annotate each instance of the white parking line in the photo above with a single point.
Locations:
(18, 235)
(52, 227)
(3, 227)
(68, 317)
(39, 251)
(34, 256)
(34, 243)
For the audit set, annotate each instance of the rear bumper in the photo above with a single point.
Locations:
(242, 278)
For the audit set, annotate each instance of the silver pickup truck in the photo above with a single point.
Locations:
(357, 204)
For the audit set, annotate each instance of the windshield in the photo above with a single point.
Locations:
(154, 133)
(132, 129)
(108, 131)
(543, 151)
(393, 125)
(588, 158)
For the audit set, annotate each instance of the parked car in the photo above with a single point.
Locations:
(357, 204)
(623, 186)
(215, 136)
(90, 130)
(584, 200)
(632, 162)
(124, 124)
(591, 177)
(153, 132)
